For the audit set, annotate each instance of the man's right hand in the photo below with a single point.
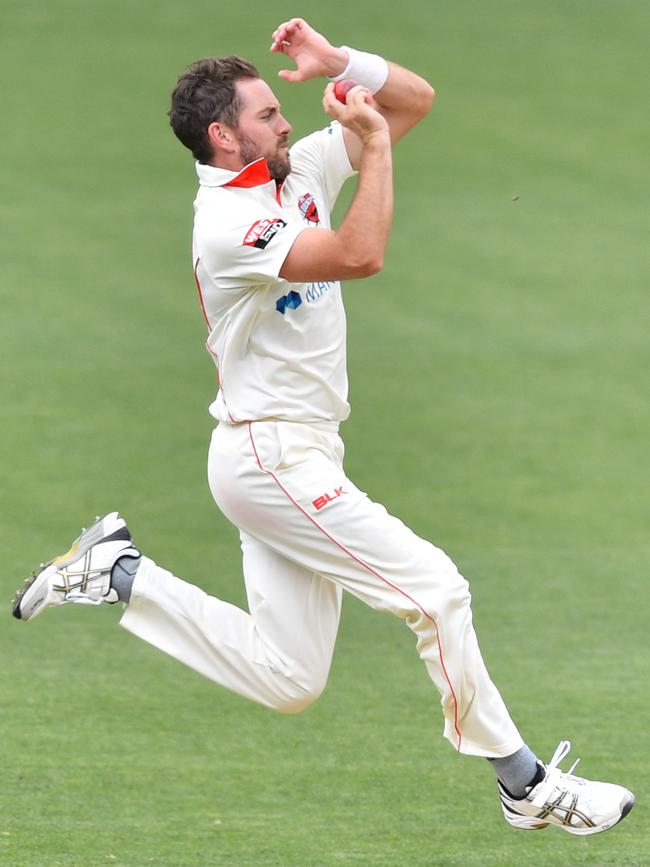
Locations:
(358, 114)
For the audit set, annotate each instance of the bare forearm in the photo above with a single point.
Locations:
(405, 92)
(404, 100)
(403, 97)
(363, 234)
(356, 249)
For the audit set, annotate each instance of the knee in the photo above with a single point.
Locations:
(441, 593)
(299, 697)
(450, 584)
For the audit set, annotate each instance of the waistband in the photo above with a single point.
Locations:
(319, 425)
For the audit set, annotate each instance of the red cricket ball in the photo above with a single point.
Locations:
(342, 87)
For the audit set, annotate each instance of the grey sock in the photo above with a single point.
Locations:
(122, 576)
(518, 771)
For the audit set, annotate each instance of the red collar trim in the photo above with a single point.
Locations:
(253, 175)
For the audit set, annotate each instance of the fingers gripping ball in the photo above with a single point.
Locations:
(341, 89)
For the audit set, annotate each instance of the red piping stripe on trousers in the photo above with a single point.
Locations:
(372, 571)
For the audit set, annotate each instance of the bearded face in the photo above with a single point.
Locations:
(261, 130)
(276, 155)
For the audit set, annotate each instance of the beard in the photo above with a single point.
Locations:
(278, 162)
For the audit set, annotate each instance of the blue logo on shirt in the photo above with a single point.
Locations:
(317, 290)
(290, 301)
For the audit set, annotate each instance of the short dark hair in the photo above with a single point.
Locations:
(205, 93)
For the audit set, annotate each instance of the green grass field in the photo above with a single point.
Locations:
(499, 382)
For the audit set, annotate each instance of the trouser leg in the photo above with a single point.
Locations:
(285, 484)
(279, 654)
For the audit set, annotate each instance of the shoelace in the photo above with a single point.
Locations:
(548, 783)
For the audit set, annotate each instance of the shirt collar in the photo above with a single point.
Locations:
(255, 174)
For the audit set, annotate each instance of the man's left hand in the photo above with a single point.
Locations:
(310, 51)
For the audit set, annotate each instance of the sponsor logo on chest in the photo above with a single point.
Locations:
(315, 291)
(292, 300)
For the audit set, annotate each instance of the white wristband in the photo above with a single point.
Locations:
(369, 70)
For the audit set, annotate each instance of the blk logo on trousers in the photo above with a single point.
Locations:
(325, 499)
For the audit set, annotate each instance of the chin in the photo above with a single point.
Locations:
(279, 169)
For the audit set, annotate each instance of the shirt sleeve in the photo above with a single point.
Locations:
(323, 154)
(249, 253)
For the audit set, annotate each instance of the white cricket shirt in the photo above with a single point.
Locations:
(279, 347)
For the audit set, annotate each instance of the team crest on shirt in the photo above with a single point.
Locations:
(262, 232)
(308, 209)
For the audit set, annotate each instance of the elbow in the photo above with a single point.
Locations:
(421, 99)
(427, 98)
(374, 266)
(361, 251)
(366, 266)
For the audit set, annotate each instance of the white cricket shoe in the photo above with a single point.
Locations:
(82, 574)
(577, 805)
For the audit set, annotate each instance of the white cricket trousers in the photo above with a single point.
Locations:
(307, 533)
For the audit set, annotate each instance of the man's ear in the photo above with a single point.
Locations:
(222, 138)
